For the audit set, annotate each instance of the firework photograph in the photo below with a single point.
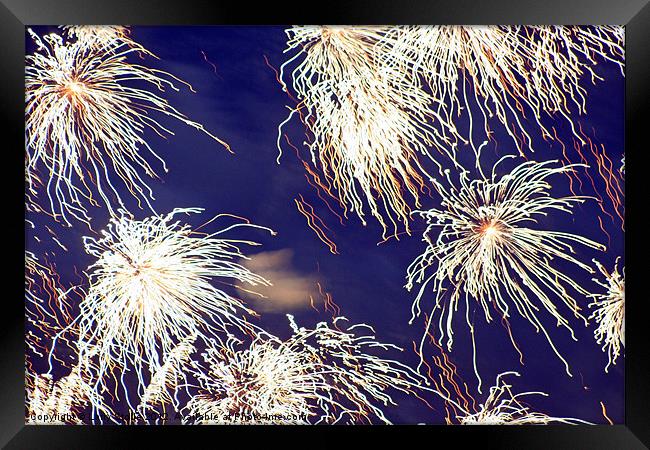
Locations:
(324, 225)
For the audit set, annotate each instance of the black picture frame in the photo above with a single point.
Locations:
(16, 14)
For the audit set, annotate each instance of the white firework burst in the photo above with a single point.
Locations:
(506, 72)
(483, 245)
(62, 401)
(321, 375)
(609, 312)
(504, 407)
(103, 37)
(85, 123)
(152, 287)
(368, 122)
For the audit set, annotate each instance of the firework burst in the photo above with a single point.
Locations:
(321, 375)
(102, 36)
(268, 380)
(85, 122)
(485, 250)
(367, 122)
(503, 407)
(609, 312)
(150, 289)
(505, 71)
(50, 402)
(60, 402)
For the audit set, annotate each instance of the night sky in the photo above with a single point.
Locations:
(239, 100)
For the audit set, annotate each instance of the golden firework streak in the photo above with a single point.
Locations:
(313, 221)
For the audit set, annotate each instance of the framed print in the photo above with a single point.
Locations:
(414, 217)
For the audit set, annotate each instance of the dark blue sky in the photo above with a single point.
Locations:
(243, 104)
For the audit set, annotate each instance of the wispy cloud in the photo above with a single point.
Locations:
(291, 289)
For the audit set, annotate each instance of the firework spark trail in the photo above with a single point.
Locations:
(504, 407)
(609, 312)
(214, 67)
(48, 308)
(85, 123)
(33, 208)
(316, 184)
(31, 195)
(314, 181)
(313, 221)
(448, 383)
(321, 375)
(150, 289)
(592, 182)
(604, 410)
(367, 122)
(485, 246)
(613, 188)
(328, 301)
(622, 168)
(613, 182)
(509, 71)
